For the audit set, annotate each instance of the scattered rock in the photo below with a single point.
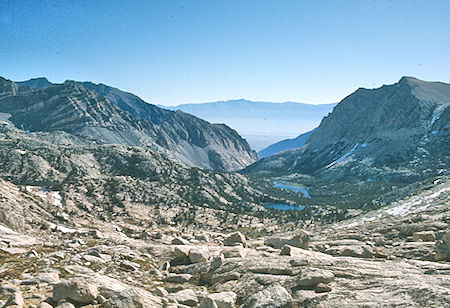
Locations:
(180, 241)
(362, 251)
(301, 240)
(217, 261)
(424, 236)
(181, 255)
(234, 252)
(77, 290)
(322, 288)
(50, 278)
(178, 278)
(236, 238)
(202, 237)
(207, 302)
(32, 254)
(15, 300)
(221, 278)
(13, 250)
(65, 305)
(224, 299)
(310, 277)
(165, 266)
(274, 296)
(443, 247)
(130, 266)
(160, 291)
(186, 297)
(95, 234)
(300, 262)
(198, 255)
(93, 259)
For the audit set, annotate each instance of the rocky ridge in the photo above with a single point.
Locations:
(106, 115)
(399, 131)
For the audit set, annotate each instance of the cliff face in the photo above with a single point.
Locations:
(109, 116)
(397, 126)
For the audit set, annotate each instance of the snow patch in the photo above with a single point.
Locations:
(62, 228)
(4, 229)
(344, 156)
(437, 114)
(408, 207)
(56, 198)
(362, 221)
(402, 209)
(363, 145)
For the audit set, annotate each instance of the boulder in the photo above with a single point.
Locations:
(178, 278)
(274, 296)
(93, 259)
(443, 247)
(161, 292)
(234, 252)
(217, 261)
(15, 300)
(180, 241)
(362, 251)
(298, 262)
(301, 240)
(207, 302)
(50, 278)
(65, 305)
(310, 277)
(322, 288)
(186, 297)
(224, 299)
(77, 290)
(236, 238)
(424, 236)
(202, 237)
(130, 298)
(44, 305)
(221, 278)
(198, 255)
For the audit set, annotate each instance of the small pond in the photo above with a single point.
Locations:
(298, 189)
(284, 207)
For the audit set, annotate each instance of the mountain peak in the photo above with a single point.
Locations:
(408, 79)
(39, 82)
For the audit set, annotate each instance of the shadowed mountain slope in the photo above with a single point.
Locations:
(397, 130)
(106, 115)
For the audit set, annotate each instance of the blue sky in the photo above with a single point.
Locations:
(173, 52)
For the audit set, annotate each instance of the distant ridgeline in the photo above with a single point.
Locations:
(261, 123)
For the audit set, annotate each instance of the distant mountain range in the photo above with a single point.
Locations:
(286, 144)
(260, 123)
(397, 131)
(97, 113)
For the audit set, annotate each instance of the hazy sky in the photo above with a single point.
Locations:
(172, 52)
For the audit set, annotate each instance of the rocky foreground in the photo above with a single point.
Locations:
(395, 256)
